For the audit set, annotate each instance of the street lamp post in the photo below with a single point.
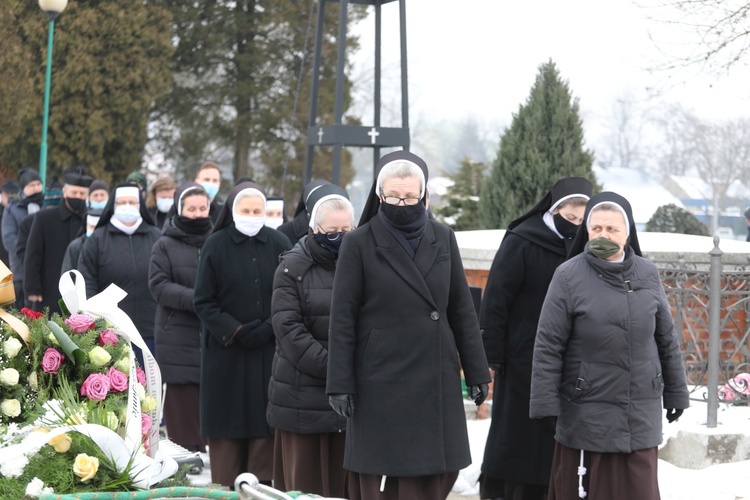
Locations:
(53, 8)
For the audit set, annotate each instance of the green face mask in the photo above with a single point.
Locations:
(603, 248)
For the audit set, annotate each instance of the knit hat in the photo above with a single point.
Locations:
(98, 185)
(10, 186)
(135, 177)
(27, 176)
(53, 195)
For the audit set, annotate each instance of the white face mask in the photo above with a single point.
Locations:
(274, 222)
(247, 225)
(164, 204)
(127, 213)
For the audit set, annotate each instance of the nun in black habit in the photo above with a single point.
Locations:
(297, 227)
(232, 298)
(402, 326)
(518, 453)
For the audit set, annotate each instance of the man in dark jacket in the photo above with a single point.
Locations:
(30, 202)
(9, 191)
(51, 233)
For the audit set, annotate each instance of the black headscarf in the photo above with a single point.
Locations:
(323, 193)
(562, 189)
(199, 226)
(109, 210)
(373, 198)
(582, 237)
(226, 217)
(302, 207)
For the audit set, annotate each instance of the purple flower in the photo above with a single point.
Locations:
(108, 337)
(52, 360)
(80, 323)
(96, 386)
(118, 381)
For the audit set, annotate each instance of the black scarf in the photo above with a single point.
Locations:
(408, 235)
(320, 255)
(193, 227)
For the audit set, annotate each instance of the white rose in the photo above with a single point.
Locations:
(112, 421)
(141, 391)
(33, 382)
(12, 347)
(34, 488)
(14, 468)
(11, 407)
(9, 376)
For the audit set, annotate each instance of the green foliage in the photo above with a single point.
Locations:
(543, 144)
(673, 219)
(236, 69)
(110, 63)
(460, 208)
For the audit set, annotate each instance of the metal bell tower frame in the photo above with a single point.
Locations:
(338, 134)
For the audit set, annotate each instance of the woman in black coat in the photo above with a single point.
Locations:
(518, 453)
(401, 319)
(119, 251)
(174, 264)
(309, 453)
(233, 301)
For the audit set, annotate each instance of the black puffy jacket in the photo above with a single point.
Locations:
(111, 256)
(301, 307)
(171, 279)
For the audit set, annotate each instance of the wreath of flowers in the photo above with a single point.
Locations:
(74, 370)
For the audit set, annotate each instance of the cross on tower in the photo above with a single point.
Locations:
(373, 133)
(320, 135)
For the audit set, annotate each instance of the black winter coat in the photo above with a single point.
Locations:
(398, 329)
(13, 214)
(301, 307)
(296, 228)
(606, 354)
(70, 261)
(51, 232)
(111, 256)
(518, 448)
(233, 287)
(171, 279)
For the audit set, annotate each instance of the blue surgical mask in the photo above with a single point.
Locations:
(164, 204)
(127, 213)
(98, 205)
(211, 189)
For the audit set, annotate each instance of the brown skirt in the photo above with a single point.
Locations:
(182, 415)
(491, 487)
(232, 457)
(609, 476)
(367, 487)
(312, 463)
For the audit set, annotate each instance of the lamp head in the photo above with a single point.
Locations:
(53, 8)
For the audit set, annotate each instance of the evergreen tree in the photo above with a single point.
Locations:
(237, 66)
(460, 210)
(673, 219)
(110, 62)
(543, 144)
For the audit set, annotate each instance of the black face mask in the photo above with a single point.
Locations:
(199, 226)
(564, 226)
(403, 215)
(75, 205)
(331, 246)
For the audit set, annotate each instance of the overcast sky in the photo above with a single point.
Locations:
(479, 58)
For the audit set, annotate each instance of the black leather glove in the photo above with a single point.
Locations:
(498, 368)
(343, 404)
(549, 424)
(673, 414)
(479, 393)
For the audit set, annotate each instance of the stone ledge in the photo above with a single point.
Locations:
(696, 450)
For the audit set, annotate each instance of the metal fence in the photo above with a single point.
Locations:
(710, 302)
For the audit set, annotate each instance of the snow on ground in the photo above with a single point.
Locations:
(718, 482)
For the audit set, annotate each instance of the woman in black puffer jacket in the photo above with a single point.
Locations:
(174, 264)
(307, 429)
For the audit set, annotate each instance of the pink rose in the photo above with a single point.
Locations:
(52, 360)
(80, 323)
(141, 376)
(145, 424)
(108, 337)
(95, 387)
(118, 381)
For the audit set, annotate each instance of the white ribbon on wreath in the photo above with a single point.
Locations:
(105, 305)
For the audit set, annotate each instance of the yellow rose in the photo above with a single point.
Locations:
(123, 364)
(33, 382)
(112, 421)
(11, 407)
(141, 391)
(148, 404)
(53, 339)
(85, 467)
(99, 356)
(61, 443)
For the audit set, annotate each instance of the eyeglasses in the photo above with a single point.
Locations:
(334, 235)
(395, 200)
